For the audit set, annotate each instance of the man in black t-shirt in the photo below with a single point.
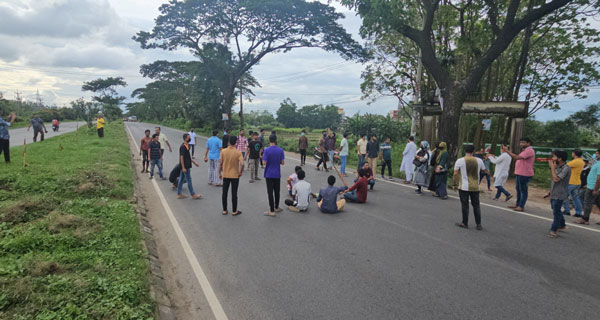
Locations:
(185, 159)
(254, 151)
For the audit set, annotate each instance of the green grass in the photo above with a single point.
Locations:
(70, 244)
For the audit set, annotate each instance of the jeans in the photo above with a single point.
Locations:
(501, 191)
(464, 202)
(351, 197)
(387, 163)
(254, 164)
(331, 153)
(273, 187)
(559, 218)
(5, 148)
(185, 176)
(574, 194)
(522, 188)
(361, 160)
(589, 199)
(158, 163)
(487, 177)
(302, 156)
(234, 189)
(343, 166)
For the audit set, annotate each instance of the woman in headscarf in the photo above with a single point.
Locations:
(421, 162)
(441, 170)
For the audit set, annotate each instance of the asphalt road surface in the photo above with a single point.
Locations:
(18, 136)
(399, 256)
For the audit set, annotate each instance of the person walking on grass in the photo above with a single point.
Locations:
(193, 141)
(422, 172)
(408, 156)
(231, 168)
(344, 151)
(361, 150)
(212, 155)
(254, 155)
(273, 158)
(328, 201)
(302, 147)
(38, 127)
(590, 196)
(242, 143)
(502, 163)
(440, 163)
(523, 172)
(359, 190)
(292, 180)
(373, 152)
(99, 126)
(144, 151)
(469, 168)
(301, 193)
(162, 138)
(559, 190)
(185, 159)
(323, 151)
(386, 159)
(5, 135)
(576, 165)
(331, 142)
(155, 157)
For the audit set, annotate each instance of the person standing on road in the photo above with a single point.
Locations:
(212, 155)
(469, 168)
(523, 171)
(361, 150)
(185, 159)
(254, 149)
(358, 192)
(576, 165)
(162, 138)
(331, 142)
(408, 156)
(5, 135)
(323, 151)
(590, 197)
(422, 173)
(155, 157)
(328, 201)
(273, 158)
(559, 190)
(144, 151)
(242, 143)
(193, 140)
(501, 172)
(488, 164)
(301, 193)
(38, 127)
(99, 125)
(302, 147)
(225, 141)
(386, 159)
(373, 152)
(440, 168)
(261, 138)
(344, 151)
(231, 168)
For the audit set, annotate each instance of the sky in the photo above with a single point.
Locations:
(53, 46)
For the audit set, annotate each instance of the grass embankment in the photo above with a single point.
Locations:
(70, 244)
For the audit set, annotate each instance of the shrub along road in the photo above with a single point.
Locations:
(398, 256)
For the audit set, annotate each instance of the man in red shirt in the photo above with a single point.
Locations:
(144, 151)
(358, 192)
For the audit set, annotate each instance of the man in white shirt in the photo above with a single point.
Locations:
(361, 149)
(469, 168)
(502, 163)
(302, 194)
(192, 142)
(409, 154)
(162, 138)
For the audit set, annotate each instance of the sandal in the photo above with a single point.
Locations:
(581, 221)
(461, 225)
(563, 229)
(224, 213)
(269, 215)
(552, 235)
(236, 213)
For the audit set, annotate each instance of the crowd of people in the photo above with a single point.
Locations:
(424, 167)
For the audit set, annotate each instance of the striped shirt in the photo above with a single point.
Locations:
(242, 144)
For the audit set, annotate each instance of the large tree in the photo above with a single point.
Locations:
(107, 95)
(251, 29)
(438, 29)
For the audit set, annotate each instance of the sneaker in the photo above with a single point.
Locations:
(251, 181)
(418, 192)
(257, 179)
(496, 199)
(390, 179)
(479, 227)
(163, 178)
(383, 178)
(508, 198)
(566, 213)
(151, 177)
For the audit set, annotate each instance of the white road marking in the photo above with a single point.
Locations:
(209, 293)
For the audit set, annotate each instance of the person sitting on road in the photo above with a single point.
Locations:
(327, 200)
(292, 180)
(368, 171)
(301, 191)
(358, 192)
(174, 176)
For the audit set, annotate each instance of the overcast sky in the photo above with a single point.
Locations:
(55, 45)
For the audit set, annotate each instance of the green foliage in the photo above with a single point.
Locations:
(70, 244)
(312, 116)
(108, 97)
(382, 126)
(85, 110)
(559, 134)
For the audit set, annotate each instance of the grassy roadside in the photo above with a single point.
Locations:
(70, 244)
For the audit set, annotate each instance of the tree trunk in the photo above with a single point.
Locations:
(227, 105)
(241, 107)
(453, 99)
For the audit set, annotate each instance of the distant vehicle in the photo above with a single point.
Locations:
(132, 119)
(125, 118)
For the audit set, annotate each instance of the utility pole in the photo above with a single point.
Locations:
(39, 100)
(415, 115)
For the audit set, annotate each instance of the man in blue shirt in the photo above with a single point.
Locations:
(5, 136)
(214, 145)
(38, 127)
(327, 199)
(590, 196)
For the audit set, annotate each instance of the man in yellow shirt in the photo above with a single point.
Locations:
(231, 168)
(576, 165)
(100, 125)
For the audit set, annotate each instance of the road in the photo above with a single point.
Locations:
(17, 136)
(397, 257)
